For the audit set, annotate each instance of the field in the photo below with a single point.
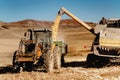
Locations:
(79, 42)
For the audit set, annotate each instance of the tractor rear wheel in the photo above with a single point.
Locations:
(57, 57)
(48, 61)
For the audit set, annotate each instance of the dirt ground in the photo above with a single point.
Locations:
(79, 44)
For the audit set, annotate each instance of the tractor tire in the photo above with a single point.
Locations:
(57, 57)
(48, 61)
(16, 67)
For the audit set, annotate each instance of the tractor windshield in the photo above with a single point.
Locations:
(44, 38)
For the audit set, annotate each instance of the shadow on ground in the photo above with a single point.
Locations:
(6, 69)
(9, 69)
(84, 64)
(75, 64)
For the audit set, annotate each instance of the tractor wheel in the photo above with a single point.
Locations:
(48, 61)
(57, 57)
(16, 67)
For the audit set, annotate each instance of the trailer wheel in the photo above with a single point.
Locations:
(48, 61)
(57, 57)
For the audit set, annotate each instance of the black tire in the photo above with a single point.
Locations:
(102, 61)
(57, 57)
(48, 61)
(96, 61)
(91, 58)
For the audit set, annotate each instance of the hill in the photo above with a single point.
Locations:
(28, 23)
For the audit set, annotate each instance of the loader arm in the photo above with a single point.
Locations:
(77, 20)
(58, 18)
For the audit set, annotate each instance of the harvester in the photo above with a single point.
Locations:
(106, 45)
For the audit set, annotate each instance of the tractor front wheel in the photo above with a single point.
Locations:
(48, 61)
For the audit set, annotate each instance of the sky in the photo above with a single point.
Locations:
(86, 10)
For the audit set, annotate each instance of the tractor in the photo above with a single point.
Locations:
(36, 48)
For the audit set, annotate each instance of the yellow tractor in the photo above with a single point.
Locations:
(36, 48)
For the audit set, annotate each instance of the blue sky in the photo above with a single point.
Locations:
(87, 10)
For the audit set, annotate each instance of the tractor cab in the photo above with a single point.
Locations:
(35, 38)
(34, 44)
(43, 38)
